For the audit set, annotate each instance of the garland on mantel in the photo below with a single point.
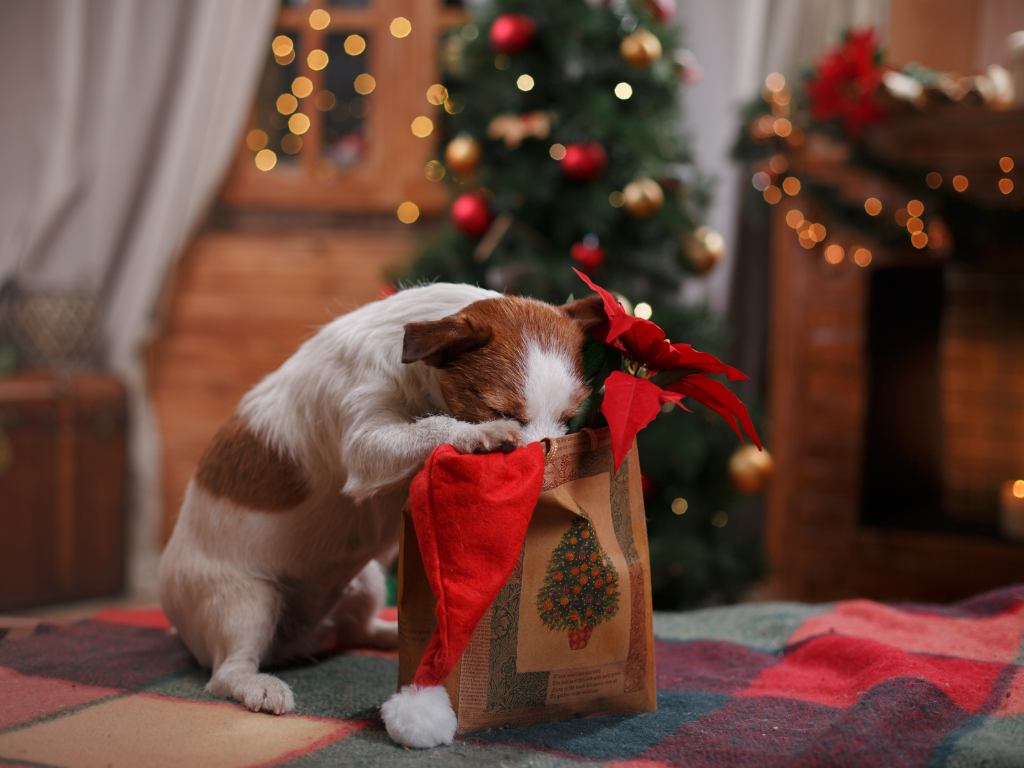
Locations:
(817, 141)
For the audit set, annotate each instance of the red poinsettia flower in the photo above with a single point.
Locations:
(632, 400)
(844, 83)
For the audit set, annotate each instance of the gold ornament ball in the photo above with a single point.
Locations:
(750, 469)
(462, 154)
(640, 49)
(703, 249)
(643, 197)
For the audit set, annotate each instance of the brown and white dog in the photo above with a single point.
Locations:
(296, 502)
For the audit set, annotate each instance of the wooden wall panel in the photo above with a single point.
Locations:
(239, 305)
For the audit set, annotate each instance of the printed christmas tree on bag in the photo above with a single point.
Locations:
(581, 587)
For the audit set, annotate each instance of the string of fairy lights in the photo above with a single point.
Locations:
(773, 180)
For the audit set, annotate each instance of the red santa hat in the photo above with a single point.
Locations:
(470, 513)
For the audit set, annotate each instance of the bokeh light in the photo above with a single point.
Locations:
(437, 94)
(524, 83)
(317, 59)
(400, 27)
(679, 506)
(919, 239)
(319, 19)
(408, 212)
(643, 310)
(1005, 186)
(364, 84)
(298, 123)
(791, 185)
(772, 194)
(282, 45)
(862, 257)
(324, 101)
(266, 159)
(794, 218)
(422, 126)
(557, 151)
(256, 139)
(1006, 165)
(873, 206)
(934, 180)
(291, 143)
(778, 163)
(286, 103)
(960, 183)
(834, 254)
(434, 171)
(354, 45)
(302, 87)
(623, 90)
(775, 82)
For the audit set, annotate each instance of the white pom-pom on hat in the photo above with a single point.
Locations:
(420, 716)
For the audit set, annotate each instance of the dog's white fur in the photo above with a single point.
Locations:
(358, 421)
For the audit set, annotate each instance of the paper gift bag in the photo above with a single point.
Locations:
(569, 635)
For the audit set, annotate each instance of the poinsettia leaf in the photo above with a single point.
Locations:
(629, 405)
(715, 395)
(688, 357)
(619, 320)
(667, 396)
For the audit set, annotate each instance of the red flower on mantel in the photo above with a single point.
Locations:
(844, 83)
(632, 400)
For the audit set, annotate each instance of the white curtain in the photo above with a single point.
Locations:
(738, 43)
(118, 119)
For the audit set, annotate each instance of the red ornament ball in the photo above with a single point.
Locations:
(512, 33)
(663, 10)
(584, 162)
(471, 214)
(590, 257)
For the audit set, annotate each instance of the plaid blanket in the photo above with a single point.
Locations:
(853, 683)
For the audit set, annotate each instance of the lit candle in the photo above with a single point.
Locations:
(1011, 510)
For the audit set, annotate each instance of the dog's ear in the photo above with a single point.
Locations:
(587, 313)
(438, 343)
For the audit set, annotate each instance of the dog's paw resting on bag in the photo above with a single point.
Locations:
(296, 502)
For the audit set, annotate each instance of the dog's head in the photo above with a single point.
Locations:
(510, 358)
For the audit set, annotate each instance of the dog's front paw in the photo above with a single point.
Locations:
(260, 693)
(266, 693)
(489, 437)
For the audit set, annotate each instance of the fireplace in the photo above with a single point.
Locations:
(897, 403)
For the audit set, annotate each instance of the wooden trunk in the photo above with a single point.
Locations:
(62, 488)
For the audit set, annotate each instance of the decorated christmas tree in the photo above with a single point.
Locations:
(563, 147)
(581, 586)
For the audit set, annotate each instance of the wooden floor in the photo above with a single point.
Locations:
(239, 306)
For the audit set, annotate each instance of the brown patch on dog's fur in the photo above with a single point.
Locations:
(482, 381)
(240, 466)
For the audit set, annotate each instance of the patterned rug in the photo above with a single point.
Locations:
(853, 683)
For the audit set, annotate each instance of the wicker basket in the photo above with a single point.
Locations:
(52, 328)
